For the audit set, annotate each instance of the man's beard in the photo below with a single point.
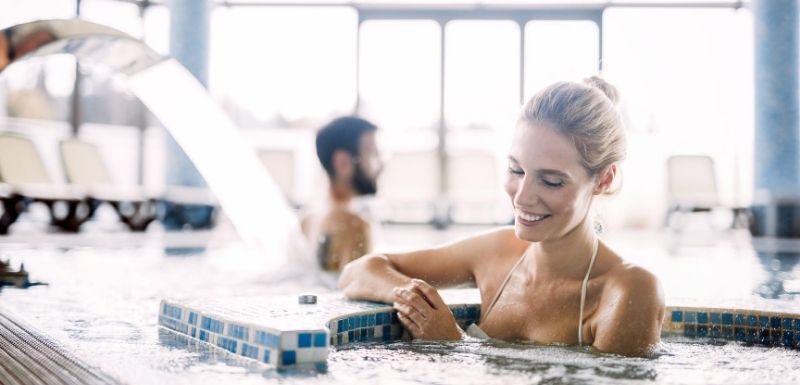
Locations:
(363, 184)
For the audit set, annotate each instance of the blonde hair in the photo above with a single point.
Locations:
(587, 114)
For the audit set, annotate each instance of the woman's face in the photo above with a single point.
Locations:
(550, 190)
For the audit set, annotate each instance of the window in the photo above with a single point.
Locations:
(400, 73)
(686, 76)
(115, 14)
(481, 74)
(559, 50)
(31, 10)
(283, 66)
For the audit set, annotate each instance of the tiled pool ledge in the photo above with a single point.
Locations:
(281, 332)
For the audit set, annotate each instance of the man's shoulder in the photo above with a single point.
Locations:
(343, 220)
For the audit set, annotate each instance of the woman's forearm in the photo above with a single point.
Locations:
(371, 278)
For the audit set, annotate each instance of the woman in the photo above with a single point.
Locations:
(549, 279)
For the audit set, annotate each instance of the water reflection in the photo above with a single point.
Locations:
(780, 268)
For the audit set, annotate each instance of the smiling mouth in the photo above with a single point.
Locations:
(531, 218)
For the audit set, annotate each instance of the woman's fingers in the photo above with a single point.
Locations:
(410, 325)
(411, 313)
(429, 293)
(414, 300)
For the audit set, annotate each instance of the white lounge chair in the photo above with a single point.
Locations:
(85, 167)
(25, 180)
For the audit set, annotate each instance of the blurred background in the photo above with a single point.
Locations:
(442, 79)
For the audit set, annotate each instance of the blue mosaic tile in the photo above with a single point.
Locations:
(371, 320)
(787, 323)
(239, 332)
(363, 334)
(751, 336)
(370, 334)
(351, 323)
(788, 339)
(387, 330)
(727, 332)
(194, 332)
(203, 336)
(304, 340)
(364, 320)
(351, 336)
(690, 317)
(341, 325)
(689, 331)
(775, 322)
(192, 317)
(289, 357)
(740, 319)
(763, 337)
(715, 318)
(249, 351)
(266, 355)
(473, 312)
(727, 319)
(797, 325)
(319, 340)
(702, 331)
(739, 334)
(716, 332)
(677, 316)
(752, 320)
(763, 321)
(227, 344)
(394, 318)
(775, 338)
(702, 318)
(339, 338)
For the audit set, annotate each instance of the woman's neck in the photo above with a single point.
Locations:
(565, 257)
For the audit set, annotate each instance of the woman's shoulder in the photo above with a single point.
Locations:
(629, 276)
(497, 240)
(633, 286)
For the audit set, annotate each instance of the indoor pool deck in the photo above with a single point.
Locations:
(102, 305)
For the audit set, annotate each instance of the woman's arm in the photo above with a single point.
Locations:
(632, 312)
(374, 277)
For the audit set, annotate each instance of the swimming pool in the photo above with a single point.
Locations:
(103, 297)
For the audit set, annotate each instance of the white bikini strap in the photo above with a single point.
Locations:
(584, 285)
(503, 286)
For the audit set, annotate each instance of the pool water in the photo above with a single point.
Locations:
(102, 301)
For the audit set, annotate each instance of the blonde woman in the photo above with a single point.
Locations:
(549, 278)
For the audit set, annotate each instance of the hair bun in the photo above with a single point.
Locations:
(609, 90)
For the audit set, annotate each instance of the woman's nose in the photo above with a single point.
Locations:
(527, 194)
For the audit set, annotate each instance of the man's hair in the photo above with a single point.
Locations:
(342, 133)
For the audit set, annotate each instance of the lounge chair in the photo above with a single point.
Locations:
(25, 180)
(85, 167)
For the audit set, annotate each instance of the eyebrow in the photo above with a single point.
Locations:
(543, 171)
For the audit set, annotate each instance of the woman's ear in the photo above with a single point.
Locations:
(343, 166)
(605, 179)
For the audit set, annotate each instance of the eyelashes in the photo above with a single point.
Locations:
(547, 183)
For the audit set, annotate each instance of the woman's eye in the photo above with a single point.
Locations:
(554, 184)
(516, 171)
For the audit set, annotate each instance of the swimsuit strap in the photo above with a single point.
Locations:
(584, 286)
(503, 285)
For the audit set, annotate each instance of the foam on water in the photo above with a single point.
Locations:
(102, 305)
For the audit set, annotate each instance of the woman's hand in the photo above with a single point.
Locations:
(423, 312)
